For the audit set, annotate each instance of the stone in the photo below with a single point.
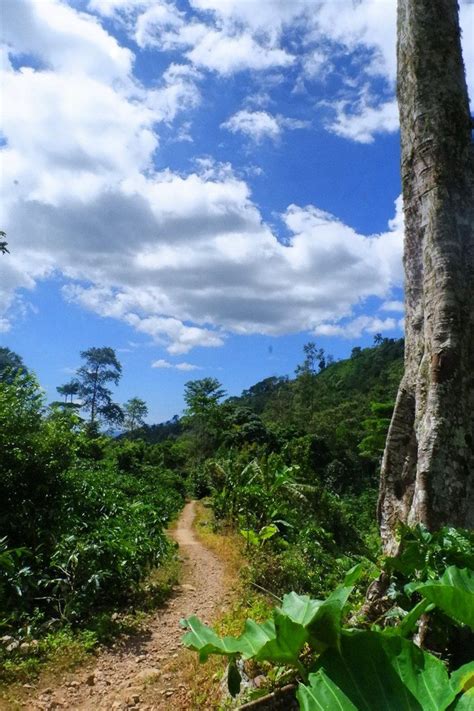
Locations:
(146, 674)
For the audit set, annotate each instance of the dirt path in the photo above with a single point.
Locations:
(140, 672)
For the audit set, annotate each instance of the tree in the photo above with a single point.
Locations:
(315, 360)
(313, 356)
(202, 396)
(69, 390)
(10, 364)
(428, 464)
(203, 413)
(100, 368)
(135, 410)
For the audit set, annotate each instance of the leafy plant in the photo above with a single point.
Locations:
(255, 538)
(347, 668)
(453, 593)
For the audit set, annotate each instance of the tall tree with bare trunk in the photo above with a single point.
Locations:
(428, 465)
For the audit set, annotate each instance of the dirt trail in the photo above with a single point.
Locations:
(135, 674)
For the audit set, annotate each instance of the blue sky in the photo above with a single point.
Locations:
(204, 185)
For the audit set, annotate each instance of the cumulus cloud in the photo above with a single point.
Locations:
(357, 327)
(259, 125)
(393, 306)
(362, 122)
(229, 36)
(175, 366)
(64, 39)
(183, 258)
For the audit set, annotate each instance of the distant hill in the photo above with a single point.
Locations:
(370, 374)
(343, 390)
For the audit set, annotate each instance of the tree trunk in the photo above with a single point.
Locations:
(428, 464)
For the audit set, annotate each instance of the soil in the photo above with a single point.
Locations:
(141, 671)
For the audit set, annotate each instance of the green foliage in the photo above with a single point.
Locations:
(203, 415)
(81, 516)
(10, 364)
(69, 391)
(349, 668)
(426, 554)
(373, 671)
(34, 450)
(376, 428)
(258, 538)
(100, 368)
(453, 593)
(135, 410)
(281, 639)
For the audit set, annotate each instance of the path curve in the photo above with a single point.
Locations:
(121, 675)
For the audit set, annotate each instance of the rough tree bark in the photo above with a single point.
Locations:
(428, 465)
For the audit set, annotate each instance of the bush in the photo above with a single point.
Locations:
(83, 517)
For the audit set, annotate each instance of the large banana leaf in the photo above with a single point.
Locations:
(375, 671)
(453, 593)
(280, 640)
(204, 640)
(323, 694)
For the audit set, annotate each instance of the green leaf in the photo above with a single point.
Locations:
(255, 637)
(323, 694)
(285, 647)
(353, 575)
(325, 629)
(453, 593)
(408, 623)
(204, 640)
(233, 678)
(268, 532)
(281, 639)
(300, 608)
(375, 671)
(250, 536)
(465, 702)
(462, 680)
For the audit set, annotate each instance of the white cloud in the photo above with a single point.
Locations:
(357, 327)
(220, 44)
(185, 259)
(64, 39)
(227, 54)
(109, 8)
(228, 36)
(258, 125)
(176, 366)
(393, 306)
(361, 122)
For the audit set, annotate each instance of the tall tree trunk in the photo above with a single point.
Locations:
(428, 465)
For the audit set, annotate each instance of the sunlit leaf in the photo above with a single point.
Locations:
(453, 593)
(375, 671)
